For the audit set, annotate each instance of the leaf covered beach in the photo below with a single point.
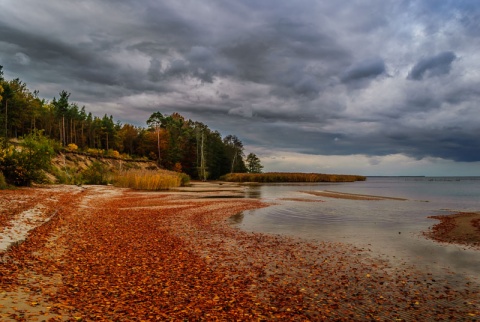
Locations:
(107, 253)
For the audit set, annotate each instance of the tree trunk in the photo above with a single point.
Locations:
(158, 145)
(233, 161)
(63, 130)
(202, 161)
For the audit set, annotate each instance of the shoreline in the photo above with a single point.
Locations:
(461, 228)
(118, 254)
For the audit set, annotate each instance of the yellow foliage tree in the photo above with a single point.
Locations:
(72, 147)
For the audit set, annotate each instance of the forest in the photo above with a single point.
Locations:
(175, 143)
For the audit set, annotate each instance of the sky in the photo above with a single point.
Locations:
(370, 87)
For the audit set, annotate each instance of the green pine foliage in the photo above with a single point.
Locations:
(171, 140)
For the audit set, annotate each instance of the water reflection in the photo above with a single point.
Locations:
(237, 218)
(254, 192)
(387, 227)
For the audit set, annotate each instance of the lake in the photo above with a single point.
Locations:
(389, 228)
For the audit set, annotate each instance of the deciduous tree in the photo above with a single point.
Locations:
(235, 152)
(253, 164)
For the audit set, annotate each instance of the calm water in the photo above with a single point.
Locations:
(390, 228)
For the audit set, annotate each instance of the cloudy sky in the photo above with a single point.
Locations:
(379, 87)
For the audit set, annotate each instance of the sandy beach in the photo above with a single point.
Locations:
(102, 253)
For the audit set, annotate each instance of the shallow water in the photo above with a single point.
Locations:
(389, 228)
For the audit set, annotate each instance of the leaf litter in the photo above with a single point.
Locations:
(116, 254)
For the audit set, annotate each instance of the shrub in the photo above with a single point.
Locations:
(125, 156)
(113, 153)
(95, 151)
(72, 147)
(27, 164)
(3, 182)
(96, 173)
(68, 175)
(184, 179)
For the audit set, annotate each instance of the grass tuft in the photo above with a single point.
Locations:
(149, 179)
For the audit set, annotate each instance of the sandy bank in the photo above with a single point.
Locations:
(461, 228)
(117, 254)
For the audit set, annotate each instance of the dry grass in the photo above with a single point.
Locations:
(291, 177)
(148, 179)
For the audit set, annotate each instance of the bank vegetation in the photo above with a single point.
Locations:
(273, 177)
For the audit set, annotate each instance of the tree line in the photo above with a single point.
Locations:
(174, 142)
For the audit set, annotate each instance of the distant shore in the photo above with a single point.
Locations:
(106, 253)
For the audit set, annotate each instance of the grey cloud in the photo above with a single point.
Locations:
(205, 64)
(241, 111)
(433, 66)
(463, 13)
(200, 54)
(278, 52)
(22, 59)
(154, 71)
(250, 57)
(275, 73)
(307, 85)
(296, 80)
(46, 49)
(366, 69)
(306, 41)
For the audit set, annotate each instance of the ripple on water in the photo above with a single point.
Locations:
(389, 228)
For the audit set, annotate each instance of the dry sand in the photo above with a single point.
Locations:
(103, 253)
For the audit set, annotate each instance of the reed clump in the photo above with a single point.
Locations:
(150, 179)
(273, 177)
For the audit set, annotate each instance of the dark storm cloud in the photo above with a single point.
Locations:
(154, 70)
(317, 77)
(40, 46)
(433, 66)
(59, 61)
(367, 69)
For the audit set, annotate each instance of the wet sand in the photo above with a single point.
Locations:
(105, 253)
(351, 196)
(461, 228)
